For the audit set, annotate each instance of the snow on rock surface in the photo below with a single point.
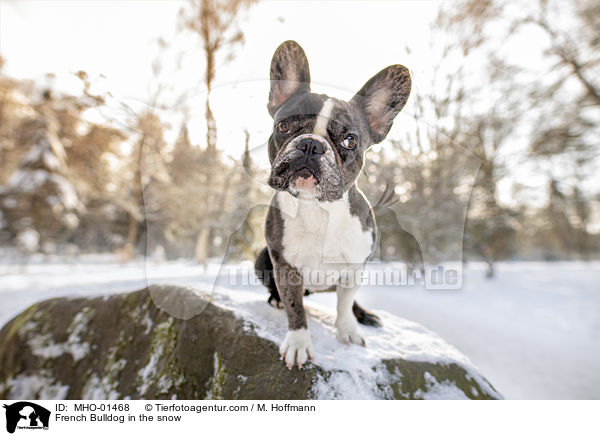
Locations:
(358, 372)
(125, 346)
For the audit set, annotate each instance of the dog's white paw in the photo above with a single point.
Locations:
(296, 348)
(348, 331)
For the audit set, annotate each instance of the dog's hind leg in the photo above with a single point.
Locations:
(263, 268)
(365, 317)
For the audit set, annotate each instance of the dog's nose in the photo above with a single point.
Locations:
(310, 147)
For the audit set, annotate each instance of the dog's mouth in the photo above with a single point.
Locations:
(304, 179)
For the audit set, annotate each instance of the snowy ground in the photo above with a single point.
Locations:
(534, 331)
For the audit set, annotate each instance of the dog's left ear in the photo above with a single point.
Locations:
(382, 97)
(289, 74)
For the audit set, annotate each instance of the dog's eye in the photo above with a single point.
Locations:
(283, 126)
(349, 142)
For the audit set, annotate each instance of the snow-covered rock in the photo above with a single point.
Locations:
(126, 346)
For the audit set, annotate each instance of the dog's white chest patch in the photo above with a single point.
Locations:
(322, 240)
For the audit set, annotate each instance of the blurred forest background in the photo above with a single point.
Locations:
(71, 183)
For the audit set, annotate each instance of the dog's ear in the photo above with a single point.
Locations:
(289, 74)
(381, 98)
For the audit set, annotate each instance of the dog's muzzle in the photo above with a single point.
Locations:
(306, 163)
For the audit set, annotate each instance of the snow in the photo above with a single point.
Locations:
(99, 389)
(358, 372)
(44, 346)
(441, 391)
(105, 388)
(30, 181)
(44, 164)
(44, 152)
(147, 323)
(67, 192)
(148, 373)
(36, 386)
(28, 240)
(533, 332)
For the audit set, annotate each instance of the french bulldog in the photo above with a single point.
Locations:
(320, 228)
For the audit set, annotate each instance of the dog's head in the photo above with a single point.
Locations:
(318, 143)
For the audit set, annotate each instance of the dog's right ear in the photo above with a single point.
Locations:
(289, 74)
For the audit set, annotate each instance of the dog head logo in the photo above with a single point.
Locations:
(26, 415)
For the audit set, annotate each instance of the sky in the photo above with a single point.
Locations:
(117, 39)
(115, 43)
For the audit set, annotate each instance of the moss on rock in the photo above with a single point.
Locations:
(124, 346)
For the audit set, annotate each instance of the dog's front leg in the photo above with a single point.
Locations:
(297, 345)
(347, 327)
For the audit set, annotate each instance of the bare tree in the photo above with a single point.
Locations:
(557, 97)
(216, 24)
